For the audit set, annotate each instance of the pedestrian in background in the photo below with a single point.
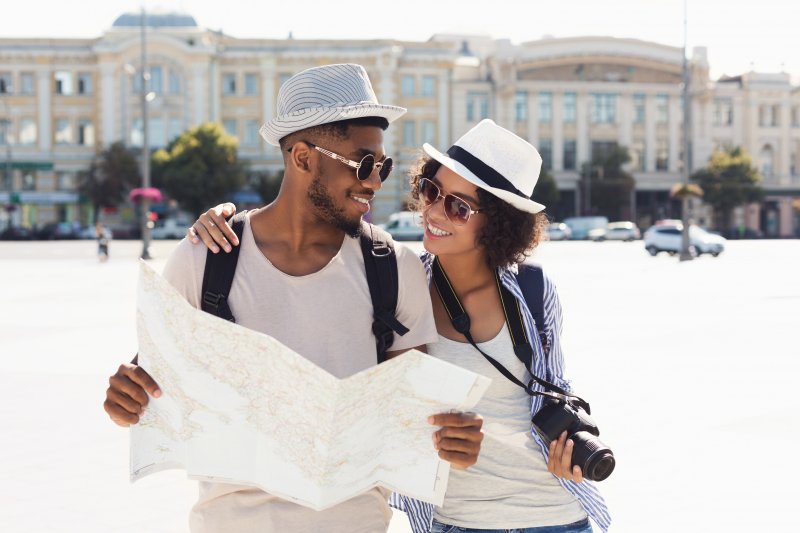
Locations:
(103, 236)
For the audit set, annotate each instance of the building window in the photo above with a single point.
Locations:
(65, 181)
(85, 133)
(766, 160)
(63, 131)
(662, 154)
(137, 133)
(796, 117)
(230, 126)
(29, 180)
(409, 133)
(546, 151)
(27, 132)
(174, 82)
(570, 107)
(229, 84)
(283, 78)
(639, 109)
(6, 85)
(638, 162)
(5, 133)
(428, 131)
(477, 106)
(604, 108)
(85, 83)
(156, 80)
(63, 83)
(251, 84)
(662, 108)
(155, 128)
(407, 85)
(26, 83)
(174, 128)
(521, 106)
(428, 86)
(570, 154)
(545, 107)
(251, 133)
(723, 112)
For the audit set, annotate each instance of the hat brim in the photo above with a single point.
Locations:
(279, 127)
(523, 204)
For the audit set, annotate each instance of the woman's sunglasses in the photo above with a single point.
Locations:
(456, 210)
(364, 167)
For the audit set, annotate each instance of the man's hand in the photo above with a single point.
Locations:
(213, 229)
(459, 439)
(126, 396)
(560, 462)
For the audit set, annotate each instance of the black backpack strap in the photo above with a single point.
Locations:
(218, 274)
(380, 263)
(531, 283)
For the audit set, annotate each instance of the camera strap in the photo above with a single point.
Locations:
(516, 328)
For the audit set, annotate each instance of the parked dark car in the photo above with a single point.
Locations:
(59, 231)
(17, 233)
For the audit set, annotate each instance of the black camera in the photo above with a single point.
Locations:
(595, 458)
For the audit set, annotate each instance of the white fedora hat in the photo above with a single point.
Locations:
(321, 95)
(497, 161)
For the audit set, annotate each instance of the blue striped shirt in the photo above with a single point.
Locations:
(551, 368)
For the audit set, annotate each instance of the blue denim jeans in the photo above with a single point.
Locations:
(577, 527)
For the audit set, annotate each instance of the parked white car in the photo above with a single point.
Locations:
(558, 231)
(169, 228)
(622, 231)
(404, 226)
(667, 238)
(581, 226)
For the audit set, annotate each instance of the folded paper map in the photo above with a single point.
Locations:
(237, 406)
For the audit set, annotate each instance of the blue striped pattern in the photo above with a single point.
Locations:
(420, 513)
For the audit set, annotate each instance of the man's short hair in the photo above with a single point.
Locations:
(331, 131)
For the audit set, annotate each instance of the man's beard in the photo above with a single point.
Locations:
(325, 209)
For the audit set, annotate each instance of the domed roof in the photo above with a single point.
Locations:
(155, 19)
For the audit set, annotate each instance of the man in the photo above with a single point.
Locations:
(300, 279)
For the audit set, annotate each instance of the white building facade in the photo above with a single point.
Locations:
(63, 100)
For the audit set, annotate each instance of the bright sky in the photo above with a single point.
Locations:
(761, 35)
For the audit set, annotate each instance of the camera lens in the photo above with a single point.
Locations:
(602, 468)
(595, 458)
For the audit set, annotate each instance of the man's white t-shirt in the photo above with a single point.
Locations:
(326, 317)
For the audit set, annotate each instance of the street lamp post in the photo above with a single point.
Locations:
(145, 219)
(685, 254)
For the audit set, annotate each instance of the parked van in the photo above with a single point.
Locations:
(581, 226)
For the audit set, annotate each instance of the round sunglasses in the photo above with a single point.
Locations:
(364, 167)
(456, 210)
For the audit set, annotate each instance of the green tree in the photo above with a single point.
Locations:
(607, 185)
(546, 191)
(110, 176)
(199, 168)
(728, 181)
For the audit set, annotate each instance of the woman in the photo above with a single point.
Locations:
(480, 223)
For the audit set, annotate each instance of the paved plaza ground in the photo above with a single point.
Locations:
(690, 368)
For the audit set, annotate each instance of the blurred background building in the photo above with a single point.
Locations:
(62, 100)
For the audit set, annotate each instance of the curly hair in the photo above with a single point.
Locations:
(509, 235)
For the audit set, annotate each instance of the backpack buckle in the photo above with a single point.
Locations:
(213, 300)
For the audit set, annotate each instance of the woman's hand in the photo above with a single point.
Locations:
(560, 462)
(212, 228)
